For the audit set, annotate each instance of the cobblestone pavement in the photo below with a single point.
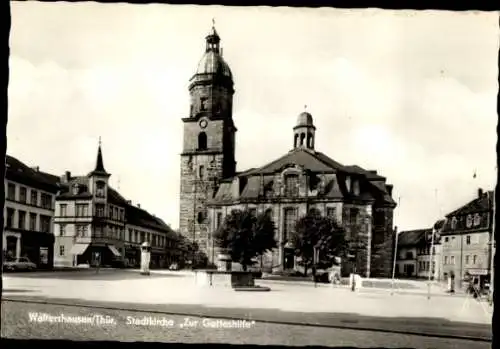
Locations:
(168, 289)
(18, 322)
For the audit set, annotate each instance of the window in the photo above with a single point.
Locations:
(45, 224)
(82, 210)
(409, 255)
(76, 189)
(269, 212)
(203, 103)
(353, 215)
(309, 140)
(100, 189)
(34, 197)
(445, 259)
(110, 212)
(21, 220)
(62, 229)
(10, 218)
(467, 259)
(201, 171)
(201, 217)
(474, 259)
(11, 191)
(433, 250)
(355, 187)
(46, 201)
(446, 239)
(348, 183)
(292, 185)
(202, 141)
(61, 251)
(63, 209)
(467, 239)
(290, 216)
(33, 221)
(454, 223)
(302, 138)
(452, 260)
(477, 219)
(314, 211)
(218, 220)
(296, 140)
(253, 211)
(22, 195)
(469, 221)
(99, 210)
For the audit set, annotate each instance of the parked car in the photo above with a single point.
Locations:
(19, 264)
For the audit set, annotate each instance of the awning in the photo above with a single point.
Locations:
(114, 250)
(477, 272)
(79, 249)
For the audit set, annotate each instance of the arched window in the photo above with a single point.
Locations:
(309, 140)
(296, 140)
(100, 187)
(201, 217)
(201, 171)
(313, 211)
(202, 141)
(302, 138)
(269, 213)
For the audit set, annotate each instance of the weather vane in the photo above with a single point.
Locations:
(305, 107)
(99, 140)
(213, 22)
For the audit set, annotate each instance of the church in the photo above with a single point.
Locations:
(301, 180)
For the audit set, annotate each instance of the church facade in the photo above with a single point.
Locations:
(301, 180)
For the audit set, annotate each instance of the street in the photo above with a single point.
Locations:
(16, 323)
(289, 314)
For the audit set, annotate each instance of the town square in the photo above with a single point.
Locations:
(202, 184)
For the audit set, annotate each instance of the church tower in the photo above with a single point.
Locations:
(208, 153)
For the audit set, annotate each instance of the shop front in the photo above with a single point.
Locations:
(38, 248)
(132, 256)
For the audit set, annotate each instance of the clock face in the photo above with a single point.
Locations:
(203, 123)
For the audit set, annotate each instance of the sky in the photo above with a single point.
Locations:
(411, 94)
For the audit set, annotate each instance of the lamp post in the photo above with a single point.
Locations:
(394, 260)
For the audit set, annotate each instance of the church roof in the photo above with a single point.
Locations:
(257, 183)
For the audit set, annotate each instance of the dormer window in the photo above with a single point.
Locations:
(76, 189)
(348, 183)
(468, 221)
(477, 219)
(355, 187)
(454, 223)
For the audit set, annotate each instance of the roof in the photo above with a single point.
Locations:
(83, 191)
(483, 203)
(99, 165)
(21, 173)
(327, 178)
(140, 217)
(413, 237)
(305, 119)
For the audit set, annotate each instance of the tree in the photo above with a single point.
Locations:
(246, 236)
(323, 234)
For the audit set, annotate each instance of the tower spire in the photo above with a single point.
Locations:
(99, 164)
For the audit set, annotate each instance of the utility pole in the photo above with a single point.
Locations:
(395, 249)
(492, 248)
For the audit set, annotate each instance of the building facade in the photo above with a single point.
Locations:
(287, 188)
(28, 213)
(419, 254)
(466, 239)
(141, 226)
(93, 223)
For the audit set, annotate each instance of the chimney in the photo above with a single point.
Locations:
(129, 202)
(36, 168)
(139, 205)
(480, 192)
(389, 189)
(66, 177)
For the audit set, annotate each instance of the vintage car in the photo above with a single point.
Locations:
(19, 264)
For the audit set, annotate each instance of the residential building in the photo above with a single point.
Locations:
(141, 226)
(28, 213)
(419, 253)
(93, 222)
(303, 179)
(466, 239)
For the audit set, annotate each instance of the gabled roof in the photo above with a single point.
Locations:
(20, 173)
(479, 204)
(83, 182)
